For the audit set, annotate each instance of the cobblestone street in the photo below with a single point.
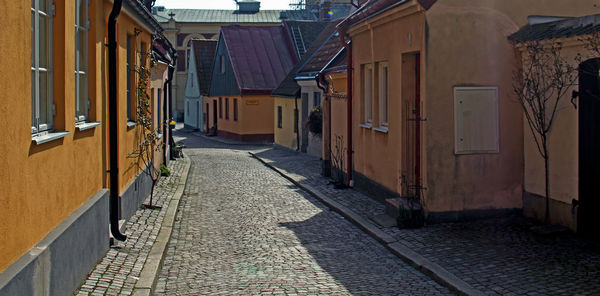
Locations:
(242, 229)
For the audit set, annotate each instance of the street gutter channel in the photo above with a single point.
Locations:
(149, 275)
(433, 270)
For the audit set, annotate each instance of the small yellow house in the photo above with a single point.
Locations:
(433, 111)
(55, 156)
(249, 64)
(572, 141)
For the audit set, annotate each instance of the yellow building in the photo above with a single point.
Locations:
(246, 70)
(54, 180)
(433, 113)
(572, 139)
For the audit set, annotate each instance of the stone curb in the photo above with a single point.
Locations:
(149, 275)
(435, 271)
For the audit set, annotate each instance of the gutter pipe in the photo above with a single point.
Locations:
(319, 78)
(112, 121)
(348, 46)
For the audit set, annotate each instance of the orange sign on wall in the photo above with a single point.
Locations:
(252, 102)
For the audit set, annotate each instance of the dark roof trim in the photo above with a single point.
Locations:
(141, 10)
(374, 8)
(565, 28)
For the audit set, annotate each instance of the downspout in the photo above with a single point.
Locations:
(169, 81)
(418, 124)
(327, 170)
(165, 118)
(112, 121)
(349, 151)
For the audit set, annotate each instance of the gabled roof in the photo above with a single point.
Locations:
(204, 54)
(230, 16)
(321, 47)
(372, 8)
(303, 33)
(260, 56)
(564, 28)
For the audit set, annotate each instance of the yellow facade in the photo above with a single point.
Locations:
(285, 131)
(254, 117)
(42, 184)
(460, 44)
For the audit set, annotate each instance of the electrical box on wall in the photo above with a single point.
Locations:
(476, 120)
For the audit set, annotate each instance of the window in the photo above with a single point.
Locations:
(317, 99)
(81, 60)
(227, 108)
(235, 110)
(222, 64)
(476, 120)
(42, 105)
(295, 120)
(129, 73)
(383, 94)
(220, 108)
(279, 117)
(367, 93)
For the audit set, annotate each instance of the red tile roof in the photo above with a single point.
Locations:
(260, 56)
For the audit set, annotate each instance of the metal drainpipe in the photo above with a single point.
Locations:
(165, 116)
(418, 124)
(297, 123)
(170, 80)
(324, 88)
(112, 121)
(348, 47)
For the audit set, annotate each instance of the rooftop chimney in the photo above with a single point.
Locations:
(248, 6)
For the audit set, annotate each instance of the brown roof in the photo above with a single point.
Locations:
(260, 56)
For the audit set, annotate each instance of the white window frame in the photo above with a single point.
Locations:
(37, 126)
(383, 97)
(368, 94)
(82, 104)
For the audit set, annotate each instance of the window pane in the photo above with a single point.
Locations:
(44, 47)
(82, 13)
(82, 96)
(45, 105)
(81, 52)
(32, 39)
(44, 6)
(33, 98)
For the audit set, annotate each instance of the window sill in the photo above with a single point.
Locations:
(131, 124)
(50, 136)
(86, 125)
(381, 129)
(366, 125)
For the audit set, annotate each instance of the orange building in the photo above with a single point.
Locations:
(55, 186)
(249, 64)
(433, 111)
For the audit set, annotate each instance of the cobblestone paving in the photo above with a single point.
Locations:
(241, 229)
(496, 256)
(119, 270)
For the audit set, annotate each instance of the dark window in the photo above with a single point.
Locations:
(222, 64)
(129, 72)
(227, 108)
(295, 120)
(317, 99)
(220, 107)
(235, 110)
(279, 117)
(181, 63)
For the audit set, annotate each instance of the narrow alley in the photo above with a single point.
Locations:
(243, 229)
